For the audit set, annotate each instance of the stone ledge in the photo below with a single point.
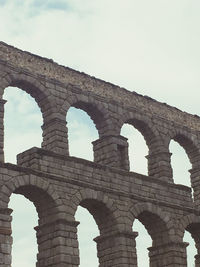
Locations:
(170, 244)
(56, 222)
(42, 152)
(28, 171)
(102, 238)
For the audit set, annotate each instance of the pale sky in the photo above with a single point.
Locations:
(151, 47)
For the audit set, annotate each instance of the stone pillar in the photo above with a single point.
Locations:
(2, 102)
(55, 136)
(171, 255)
(159, 166)
(5, 237)
(197, 241)
(118, 249)
(112, 151)
(197, 260)
(57, 244)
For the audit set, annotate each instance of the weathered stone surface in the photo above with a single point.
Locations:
(57, 183)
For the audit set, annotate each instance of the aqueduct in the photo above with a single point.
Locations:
(57, 183)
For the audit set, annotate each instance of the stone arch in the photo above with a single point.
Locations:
(95, 109)
(30, 85)
(158, 160)
(146, 127)
(191, 223)
(44, 99)
(40, 192)
(100, 207)
(188, 141)
(158, 223)
(108, 217)
(188, 222)
(51, 213)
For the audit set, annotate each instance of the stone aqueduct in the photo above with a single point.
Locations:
(57, 183)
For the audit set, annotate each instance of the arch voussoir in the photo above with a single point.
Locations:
(23, 181)
(89, 194)
(137, 209)
(187, 220)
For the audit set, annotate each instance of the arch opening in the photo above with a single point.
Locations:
(143, 242)
(81, 133)
(87, 231)
(137, 148)
(191, 249)
(24, 248)
(180, 163)
(22, 123)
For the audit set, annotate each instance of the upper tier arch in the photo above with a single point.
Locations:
(146, 127)
(97, 111)
(188, 141)
(30, 85)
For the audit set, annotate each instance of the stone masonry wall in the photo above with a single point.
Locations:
(57, 183)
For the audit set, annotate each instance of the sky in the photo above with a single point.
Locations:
(151, 47)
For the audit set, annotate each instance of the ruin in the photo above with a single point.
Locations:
(57, 183)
